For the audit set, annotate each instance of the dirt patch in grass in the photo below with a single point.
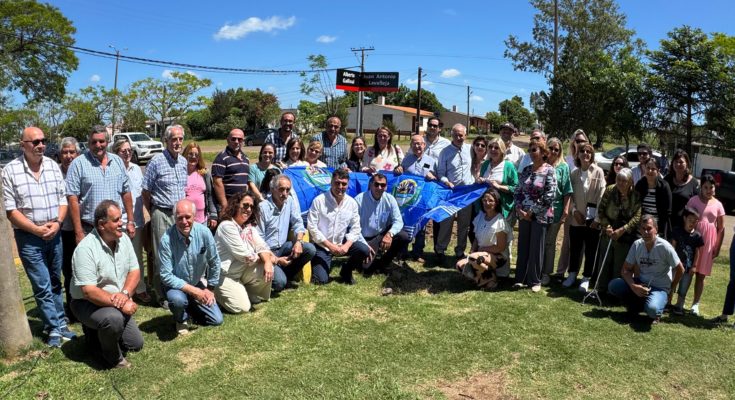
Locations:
(309, 309)
(377, 314)
(193, 359)
(482, 385)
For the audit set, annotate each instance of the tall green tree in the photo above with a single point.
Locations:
(514, 110)
(167, 98)
(34, 55)
(721, 115)
(684, 72)
(319, 85)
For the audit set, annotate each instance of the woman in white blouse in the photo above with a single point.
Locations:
(247, 267)
(383, 155)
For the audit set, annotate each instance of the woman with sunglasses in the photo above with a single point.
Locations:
(588, 182)
(618, 164)
(655, 195)
(500, 174)
(247, 262)
(562, 199)
(135, 176)
(478, 157)
(534, 204)
(578, 139)
(199, 186)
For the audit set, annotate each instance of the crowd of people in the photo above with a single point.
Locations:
(230, 237)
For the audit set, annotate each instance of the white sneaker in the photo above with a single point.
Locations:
(584, 285)
(570, 280)
(184, 328)
(545, 279)
(695, 309)
(536, 288)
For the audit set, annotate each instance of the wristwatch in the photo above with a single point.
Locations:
(125, 292)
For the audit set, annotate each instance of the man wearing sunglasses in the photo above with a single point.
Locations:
(381, 223)
(36, 205)
(434, 142)
(537, 136)
(230, 169)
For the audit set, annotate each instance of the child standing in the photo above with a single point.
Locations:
(687, 242)
(712, 228)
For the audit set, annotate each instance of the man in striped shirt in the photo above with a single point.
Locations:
(35, 203)
(230, 169)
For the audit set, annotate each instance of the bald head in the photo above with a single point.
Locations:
(184, 216)
(30, 132)
(33, 144)
(235, 139)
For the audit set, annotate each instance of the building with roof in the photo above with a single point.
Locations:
(449, 118)
(403, 118)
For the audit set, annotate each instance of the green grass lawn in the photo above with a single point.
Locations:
(436, 336)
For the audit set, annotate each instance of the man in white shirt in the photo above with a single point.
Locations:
(454, 168)
(334, 227)
(513, 153)
(434, 142)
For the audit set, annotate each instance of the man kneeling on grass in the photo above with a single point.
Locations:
(647, 272)
(105, 271)
(190, 269)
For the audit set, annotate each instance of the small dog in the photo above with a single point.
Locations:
(480, 267)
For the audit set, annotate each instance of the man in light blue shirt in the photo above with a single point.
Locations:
(381, 224)
(279, 215)
(455, 169)
(190, 270)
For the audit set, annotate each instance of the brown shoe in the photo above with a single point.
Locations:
(143, 297)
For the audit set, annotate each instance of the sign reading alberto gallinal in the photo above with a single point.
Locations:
(356, 81)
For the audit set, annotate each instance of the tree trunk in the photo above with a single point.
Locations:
(15, 334)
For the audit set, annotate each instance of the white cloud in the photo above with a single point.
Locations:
(326, 39)
(253, 24)
(450, 73)
(94, 78)
(167, 74)
(475, 97)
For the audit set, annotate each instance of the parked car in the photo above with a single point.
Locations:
(258, 138)
(724, 187)
(144, 148)
(604, 160)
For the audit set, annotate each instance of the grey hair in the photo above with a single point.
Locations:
(627, 174)
(118, 143)
(99, 129)
(169, 130)
(539, 130)
(458, 125)
(274, 182)
(648, 217)
(70, 141)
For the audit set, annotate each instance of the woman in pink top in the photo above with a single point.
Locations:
(199, 186)
(711, 226)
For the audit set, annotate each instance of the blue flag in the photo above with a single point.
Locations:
(419, 200)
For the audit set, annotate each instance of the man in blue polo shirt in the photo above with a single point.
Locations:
(647, 272)
(190, 270)
(280, 214)
(381, 224)
(230, 169)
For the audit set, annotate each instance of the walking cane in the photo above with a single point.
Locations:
(594, 293)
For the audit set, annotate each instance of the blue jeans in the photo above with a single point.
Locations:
(42, 262)
(321, 264)
(181, 305)
(729, 306)
(281, 275)
(653, 304)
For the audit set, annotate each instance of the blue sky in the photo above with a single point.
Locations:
(456, 43)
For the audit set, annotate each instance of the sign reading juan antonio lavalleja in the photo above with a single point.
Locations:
(356, 81)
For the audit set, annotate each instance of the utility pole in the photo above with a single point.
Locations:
(360, 96)
(15, 333)
(114, 92)
(468, 109)
(418, 103)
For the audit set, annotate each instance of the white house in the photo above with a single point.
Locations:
(403, 118)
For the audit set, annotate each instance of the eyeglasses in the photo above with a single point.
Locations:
(176, 139)
(237, 139)
(125, 151)
(554, 149)
(580, 141)
(98, 141)
(480, 145)
(246, 206)
(380, 185)
(493, 147)
(335, 126)
(586, 151)
(533, 150)
(618, 164)
(193, 155)
(433, 126)
(36, 142)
